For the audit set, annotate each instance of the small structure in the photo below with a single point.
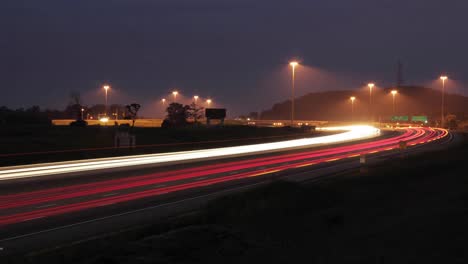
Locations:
(215, 113)
(123, 139)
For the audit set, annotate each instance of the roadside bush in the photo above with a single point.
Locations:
(79, 123)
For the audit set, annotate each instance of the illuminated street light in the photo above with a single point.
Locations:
(195, 97)
(293, 65)
(370, 85)
(175, 93)
(82, 111)
(442, 120)
(106, 88)
(208, 101)
(394, 92)
(352, 98)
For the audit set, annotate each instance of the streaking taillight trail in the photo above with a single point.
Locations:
(352, 133)
(177, 179)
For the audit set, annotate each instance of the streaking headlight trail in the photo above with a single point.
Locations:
(350, 133)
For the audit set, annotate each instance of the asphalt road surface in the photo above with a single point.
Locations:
(48, 209)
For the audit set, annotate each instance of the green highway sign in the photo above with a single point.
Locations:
(400, 118)
(422, 119)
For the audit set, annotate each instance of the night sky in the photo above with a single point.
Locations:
(235, 51)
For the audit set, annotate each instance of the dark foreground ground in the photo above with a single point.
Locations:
(412, 210)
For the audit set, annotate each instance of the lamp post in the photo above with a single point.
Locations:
(82, 111)
(293, 65)
(163, 101)
(208, 101)
(195, 98)
(175, 93)
(106, 88)
(352, 98)
(442, 119)
(394, 93)
(370, 85)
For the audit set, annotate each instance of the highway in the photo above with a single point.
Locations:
(88, 196)
(351, 133)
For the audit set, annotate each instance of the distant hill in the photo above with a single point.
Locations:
(336, 105)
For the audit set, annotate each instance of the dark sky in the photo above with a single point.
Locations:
(235, 51)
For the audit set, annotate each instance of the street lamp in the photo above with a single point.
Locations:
(442, 120)
(293, 65)
(175, 93)
(394, 92)
(195, 97)
(163, 101)
(106, 88)
(82, 111)
(370, 85)
(352, 98)
(208, 101)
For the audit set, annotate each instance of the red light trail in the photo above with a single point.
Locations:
(15, 208)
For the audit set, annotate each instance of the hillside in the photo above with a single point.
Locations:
(336, 105)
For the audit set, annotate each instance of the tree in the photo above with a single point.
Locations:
(97, 109)
(132, 112)
(73, 109)
(177, 114)
(195, 112)
(75, 98)
(117, 110)
(451, 122)
(253, 115)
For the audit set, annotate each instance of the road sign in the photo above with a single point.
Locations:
(400, 118)
(422, 119)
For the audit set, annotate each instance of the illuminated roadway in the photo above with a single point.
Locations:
(351, 133)
(26, 212)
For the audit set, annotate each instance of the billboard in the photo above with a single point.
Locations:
(215, 113)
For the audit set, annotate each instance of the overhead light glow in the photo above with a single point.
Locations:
(293, 63)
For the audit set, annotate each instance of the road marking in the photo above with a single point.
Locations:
(44, 206)
(304, 165)
(352, 156)
(330, 160)
(263, 173)
(128, 213)
(109, 194)
(104, 204)
(29, 219)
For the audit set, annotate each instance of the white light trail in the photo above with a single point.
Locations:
(351, 133)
